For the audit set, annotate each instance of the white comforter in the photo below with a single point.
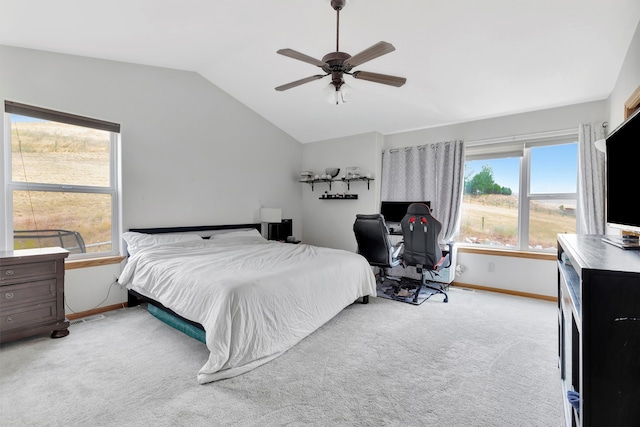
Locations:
(255, 298)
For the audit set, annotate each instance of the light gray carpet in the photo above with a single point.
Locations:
(483, 359)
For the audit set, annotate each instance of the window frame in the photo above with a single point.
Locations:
(113, 190)
(520, 146)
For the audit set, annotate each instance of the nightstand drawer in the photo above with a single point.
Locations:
(30, 315)
(22, 293)
(20, 271)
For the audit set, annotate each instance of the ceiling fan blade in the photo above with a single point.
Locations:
(301, 57)
(300, 82)
(378, 49)
(380, 78)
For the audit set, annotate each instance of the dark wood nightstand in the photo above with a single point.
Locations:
(32, 293)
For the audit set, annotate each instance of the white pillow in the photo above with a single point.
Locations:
(137, 241)
(240, 233)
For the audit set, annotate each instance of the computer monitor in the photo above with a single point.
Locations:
(395, 211)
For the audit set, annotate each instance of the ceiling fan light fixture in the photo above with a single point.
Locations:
(338, 93)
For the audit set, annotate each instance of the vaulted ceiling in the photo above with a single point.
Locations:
(463, 59)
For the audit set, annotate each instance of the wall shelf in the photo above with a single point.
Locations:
(320, 180)
(338, 197)
(312, 182)
(362, 178)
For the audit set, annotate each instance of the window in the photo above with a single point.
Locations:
(63, 181)
(521, 194)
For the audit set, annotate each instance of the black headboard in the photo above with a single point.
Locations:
(196, 228)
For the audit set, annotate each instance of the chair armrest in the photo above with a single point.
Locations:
(444, 259)
(447, 253)
(396, 250)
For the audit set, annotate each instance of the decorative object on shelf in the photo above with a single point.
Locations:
(353, 172)
(332, 172)
(339, 63)
(270, 215)
(306, 176)
(338, 196)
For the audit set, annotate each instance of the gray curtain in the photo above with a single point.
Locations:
(433, 172)
(590, 180)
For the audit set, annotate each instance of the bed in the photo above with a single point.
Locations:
(250, 298)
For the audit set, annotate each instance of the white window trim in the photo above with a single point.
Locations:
(115, 190)
(7, 225)
(520, 146)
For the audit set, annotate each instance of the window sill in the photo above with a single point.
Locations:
(94, 262)
(547, 256)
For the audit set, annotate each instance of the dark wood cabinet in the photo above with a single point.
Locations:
(599, 331)
(32, 293)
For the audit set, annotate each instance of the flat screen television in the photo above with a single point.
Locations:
(395, 211)
(622, 175)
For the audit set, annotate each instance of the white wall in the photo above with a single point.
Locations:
(523, 275)
(329, 223)
(191, 154)
(552, 119)
(628, 81)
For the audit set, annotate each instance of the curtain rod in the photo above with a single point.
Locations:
(561, 133)
(523, 137)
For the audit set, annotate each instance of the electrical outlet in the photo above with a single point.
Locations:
(491, 267)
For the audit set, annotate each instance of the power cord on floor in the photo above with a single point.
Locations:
(115, 282)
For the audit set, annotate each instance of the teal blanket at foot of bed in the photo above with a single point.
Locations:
(179, 324)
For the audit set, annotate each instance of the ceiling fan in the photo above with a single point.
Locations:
(337, 64)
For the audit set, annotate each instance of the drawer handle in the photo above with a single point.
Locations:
(9, 272)
(8, 295)
(9, 319)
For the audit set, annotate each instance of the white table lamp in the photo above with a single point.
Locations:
(270, 215)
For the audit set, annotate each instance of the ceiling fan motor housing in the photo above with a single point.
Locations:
(334, 65)
(338, 4)
(334, 61)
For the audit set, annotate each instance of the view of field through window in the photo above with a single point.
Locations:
(49, 157)
(492, 219)
(491, 203)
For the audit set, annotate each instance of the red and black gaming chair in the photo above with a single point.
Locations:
(421, 234)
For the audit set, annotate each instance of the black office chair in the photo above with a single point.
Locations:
(421, 233)
(374, 243)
